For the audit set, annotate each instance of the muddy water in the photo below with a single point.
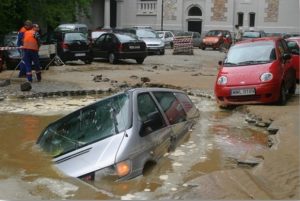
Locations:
(215, 143)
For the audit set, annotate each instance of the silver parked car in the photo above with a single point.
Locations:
(167, 37)
(117, 137)
(154, 44)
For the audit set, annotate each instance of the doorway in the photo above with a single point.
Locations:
(195, 26)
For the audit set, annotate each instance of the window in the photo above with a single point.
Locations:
(195, 11)
(252, 19)
(152, 119)
(240, 19)
(293, 47)
(100, 39)
(87, 125)
(171, 107)
(185, 101)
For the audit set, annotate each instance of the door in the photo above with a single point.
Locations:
(195, 26)
(98, 47)
(154, 132)
(288, 69)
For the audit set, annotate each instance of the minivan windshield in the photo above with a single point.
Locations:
(251, 54)
(90, 124)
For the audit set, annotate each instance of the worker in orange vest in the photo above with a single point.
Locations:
(31, 52)
(27, 26)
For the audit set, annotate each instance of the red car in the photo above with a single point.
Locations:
(256, 71)
(216, 39)
(294, 44)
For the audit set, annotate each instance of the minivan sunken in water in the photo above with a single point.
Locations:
(118, 136)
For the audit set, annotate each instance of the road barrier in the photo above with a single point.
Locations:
(44, 49)
(183, 45)
(9, 48)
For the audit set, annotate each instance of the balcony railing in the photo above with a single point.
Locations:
(146, 8)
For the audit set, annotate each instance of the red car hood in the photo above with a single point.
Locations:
(211, 39)
(244, 75)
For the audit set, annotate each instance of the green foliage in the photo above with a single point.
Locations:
(48, 12)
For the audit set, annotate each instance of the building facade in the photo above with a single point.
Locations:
(197, 15)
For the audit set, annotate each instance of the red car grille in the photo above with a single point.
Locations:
(243, 98)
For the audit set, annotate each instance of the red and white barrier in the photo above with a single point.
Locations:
(183, 45)
(9, 48)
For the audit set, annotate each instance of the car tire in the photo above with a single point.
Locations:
(282, 95)
(162, 52)
(171, 45)
(112, 58)
(292, 89)
(203, 47)
(140, 60)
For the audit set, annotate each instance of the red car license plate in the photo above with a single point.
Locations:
(242, 92)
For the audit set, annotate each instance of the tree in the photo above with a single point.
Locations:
(47, 12)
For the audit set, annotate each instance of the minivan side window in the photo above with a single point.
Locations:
(151, 117)
(171, 107)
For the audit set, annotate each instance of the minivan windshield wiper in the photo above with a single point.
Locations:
(253, 62)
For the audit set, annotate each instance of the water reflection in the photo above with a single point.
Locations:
(218, 137)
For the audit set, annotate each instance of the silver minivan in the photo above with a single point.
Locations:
(117, 137)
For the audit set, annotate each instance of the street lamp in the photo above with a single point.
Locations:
(162, 16)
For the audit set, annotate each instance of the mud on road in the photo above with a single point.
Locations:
(276, 176)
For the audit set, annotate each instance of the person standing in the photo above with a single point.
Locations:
(27, 26)
(31, 52)
(238, 33)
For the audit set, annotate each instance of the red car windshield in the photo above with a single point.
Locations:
(251, 53)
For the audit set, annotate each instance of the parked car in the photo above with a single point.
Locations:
(256, 71)
(118, 136)
(167, 37)
(11, 58)
(294, 44)
(196, 37)
(81, 28)
(253, 34)
(216, 39)
(155, 45)
(115, 46)
(73, 46)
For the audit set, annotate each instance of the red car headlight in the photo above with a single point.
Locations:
(222, 80)
(265, 77)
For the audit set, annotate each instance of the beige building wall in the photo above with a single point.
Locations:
(270, 15)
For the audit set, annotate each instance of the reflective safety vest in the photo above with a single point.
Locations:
(22, 30)
(30, 42)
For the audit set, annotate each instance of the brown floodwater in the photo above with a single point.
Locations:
(215, 143)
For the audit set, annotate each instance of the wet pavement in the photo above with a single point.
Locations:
(217, 142)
